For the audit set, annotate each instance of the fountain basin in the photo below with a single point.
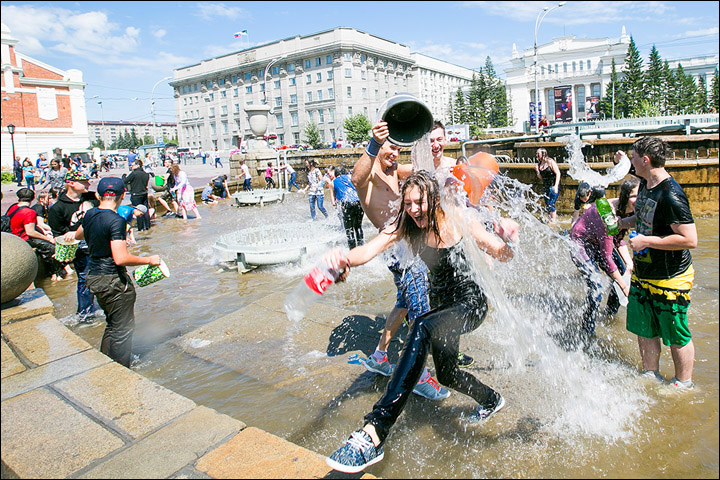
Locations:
(273, 244)
(261, 197)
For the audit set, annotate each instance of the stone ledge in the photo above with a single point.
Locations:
(28, 304)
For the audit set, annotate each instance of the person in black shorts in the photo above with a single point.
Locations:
(458, 306)
(105, 233)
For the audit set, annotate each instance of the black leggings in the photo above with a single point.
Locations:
(143, 221)
(46, 251)
(352, 214)
(438, 330)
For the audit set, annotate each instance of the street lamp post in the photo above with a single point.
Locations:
(102, 119)
(267, 67)
(11, 131)
(152, 105)
(538, 21)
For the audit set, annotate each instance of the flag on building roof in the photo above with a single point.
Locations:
(240, 34)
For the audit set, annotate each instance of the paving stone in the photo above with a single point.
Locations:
(52, 372)
(43, 339)
(125, 400)
(254, 453)
(28, 304)
(44, 437)
(9, 362)
(171, 448)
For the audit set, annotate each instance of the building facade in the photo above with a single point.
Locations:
(321, 78)
(45, 104)
(110, 130)
(573, 75)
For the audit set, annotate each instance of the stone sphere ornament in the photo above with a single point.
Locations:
(19, 267)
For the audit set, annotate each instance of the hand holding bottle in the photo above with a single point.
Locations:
(638, 243)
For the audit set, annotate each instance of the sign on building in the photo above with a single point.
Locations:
(563, 103)
(592, 108)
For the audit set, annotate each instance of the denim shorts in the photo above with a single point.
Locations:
(412, 287)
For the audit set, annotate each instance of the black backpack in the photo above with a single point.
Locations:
(6, 218)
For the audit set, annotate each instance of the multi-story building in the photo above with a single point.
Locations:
(321, 78)
(45, 104)
(580, 68)
(110, 130)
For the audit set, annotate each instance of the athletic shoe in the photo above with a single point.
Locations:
(383, 367)
(653, 375)
(484, 411)
(357, 454)
(688, 385)
(431, 389)
(465, 361)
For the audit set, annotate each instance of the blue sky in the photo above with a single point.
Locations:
(124, 48)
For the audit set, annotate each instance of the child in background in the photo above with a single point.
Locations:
(207, 196)
(269, 182)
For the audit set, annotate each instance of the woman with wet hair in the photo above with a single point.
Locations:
(458, 305)
(547, 170)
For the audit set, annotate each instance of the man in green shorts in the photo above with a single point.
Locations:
(663, 271)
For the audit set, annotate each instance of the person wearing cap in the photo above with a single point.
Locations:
(64, 218)
(137, 183)
(105, 233)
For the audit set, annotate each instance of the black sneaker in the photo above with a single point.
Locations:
(357, 454)
(484, 411)
(465, 361)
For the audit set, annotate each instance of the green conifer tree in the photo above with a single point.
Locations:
(701, 97)
(633, 81)
(609, 103)
(654, 80)
(460, 107)
(714, 97)
(669, 102)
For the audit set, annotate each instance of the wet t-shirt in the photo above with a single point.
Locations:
(449, 277)
(656, 210)
(101, 227)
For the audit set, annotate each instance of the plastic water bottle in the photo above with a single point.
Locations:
(634, 234)
(607, 215)
(310, 289)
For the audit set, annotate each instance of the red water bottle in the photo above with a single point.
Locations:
(309, 290)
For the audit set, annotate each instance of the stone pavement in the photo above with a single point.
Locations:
(68, 411)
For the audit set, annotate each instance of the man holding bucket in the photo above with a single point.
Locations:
(105, 233)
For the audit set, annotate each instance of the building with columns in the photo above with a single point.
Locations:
(110, 130)
(578, 66)
(44, 103)
(321, 78)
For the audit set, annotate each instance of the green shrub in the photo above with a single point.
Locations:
(7, 177)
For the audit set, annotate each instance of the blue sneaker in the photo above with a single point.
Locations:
(383, 367)
(431, 389)
(484, 411)
(358, 453)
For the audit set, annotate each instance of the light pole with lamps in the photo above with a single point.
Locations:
(152, 105)
(11, 131)
(538, 21)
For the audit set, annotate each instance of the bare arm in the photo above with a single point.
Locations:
(684, 236)
(363, 168)
(31, 232)
(496, 247)
(556, 171)
(360, 255)
(122, 257)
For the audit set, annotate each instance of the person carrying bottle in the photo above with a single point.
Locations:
(458, 306)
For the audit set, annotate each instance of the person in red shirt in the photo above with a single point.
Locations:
(24, 224)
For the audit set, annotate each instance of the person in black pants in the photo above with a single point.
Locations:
(105, 233)
(137, 183)
(352, 212)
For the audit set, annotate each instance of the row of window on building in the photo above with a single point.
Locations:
(575, 65)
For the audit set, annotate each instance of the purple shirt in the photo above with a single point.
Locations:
(589, 232)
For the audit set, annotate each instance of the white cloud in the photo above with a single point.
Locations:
(159, 33)
(699, 33)
(209, 11)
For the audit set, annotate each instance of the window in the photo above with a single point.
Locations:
(349, 92)
(279, 121)
(364, 93)
(209, 84)
(293, 99)
(223, 94)
(349, 110)
(346, 56)
(595, 89)
(278, 101)
(296, 138)
(222, 82)
(307, 63)
(291, 67)
(362, 58)
(331, 115)
(212, 97)
(348, 73)
(235, 92)
(580, 100)
(276, 70)
(309, 94)
(234, 78)
(581, 66)
(262, 87)
(212, 111)
(549, 106)
(321, 116)
(248, 76)
(197, 99)
(362, 74)
(225, 127)
(588, 65)
(213, 131)
(237, 108)
(294, 119)
(291, 82)
(185, 101)
(281, 138)
(318, 61)
(249, 102)
(574, 66)
(195, 87)
(377, 94)
(224, 109)
(248, 89)
(332, 133)
(331, 95)
(318, 77)
(319, 95)
(308, 78)
(277, 83)
(565, 67)
(310, 115)
(557, 69)
(329, 75)
(184, 89)
(328, 60)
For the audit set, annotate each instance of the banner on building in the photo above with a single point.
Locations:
(563, 103)
(532, 112)
(592, 108)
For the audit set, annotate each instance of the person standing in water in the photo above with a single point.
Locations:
(547, 170)
(458, 306)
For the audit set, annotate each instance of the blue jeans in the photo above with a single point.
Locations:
(292, 182)
(550, 197)
(85, 298)
(319, 200)
(246, 185)
(412, 288)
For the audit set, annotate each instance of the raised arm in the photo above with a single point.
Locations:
(499, 248)
(363, 168)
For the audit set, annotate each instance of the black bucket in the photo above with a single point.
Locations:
(408, 119)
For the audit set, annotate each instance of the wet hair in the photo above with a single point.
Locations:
(583, 189)
(406, 227)
(312, 162)
(138, 162)
(542, 152)
(25, 195)
(595, 193)
(655, 148)
(340, 170)
(438, 124)
(625, 190)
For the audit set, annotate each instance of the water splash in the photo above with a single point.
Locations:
(581, 171)
(421, 155)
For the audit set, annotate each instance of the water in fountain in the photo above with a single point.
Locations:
(580, 171)
(421, 154)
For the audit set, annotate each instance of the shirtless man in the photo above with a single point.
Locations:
(376, 178)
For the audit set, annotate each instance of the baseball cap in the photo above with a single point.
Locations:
(76, 176)
(110, 184)
(141, 208)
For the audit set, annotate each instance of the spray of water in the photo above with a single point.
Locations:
(421, 154)
(580, 171)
